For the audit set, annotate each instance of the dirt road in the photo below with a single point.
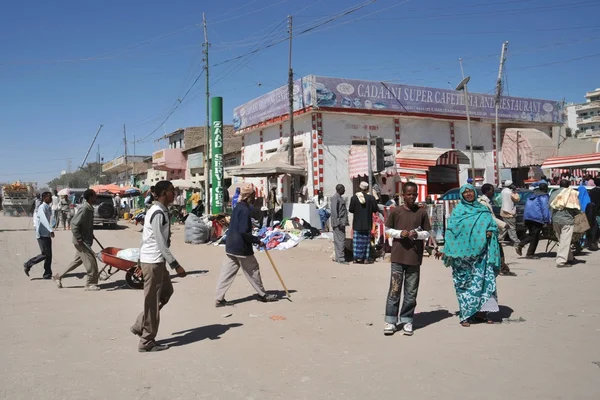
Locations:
(71, 344)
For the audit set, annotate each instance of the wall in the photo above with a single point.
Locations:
(338, 133)
(482, 136)
(260, 144)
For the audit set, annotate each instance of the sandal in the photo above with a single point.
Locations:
(465, 324)
(482, 318)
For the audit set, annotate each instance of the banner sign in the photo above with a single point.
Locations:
(272, 104)
(217, 192)
(320, 91)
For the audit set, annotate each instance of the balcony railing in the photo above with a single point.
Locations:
(587, 120)
(588, 133)
(587, 106)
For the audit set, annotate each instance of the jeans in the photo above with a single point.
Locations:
(324, 214)
(409, 275)
(533, 236)
(45, 244)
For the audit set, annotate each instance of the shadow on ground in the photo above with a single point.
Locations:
(424, 319)
(212, 332)
(279, 293)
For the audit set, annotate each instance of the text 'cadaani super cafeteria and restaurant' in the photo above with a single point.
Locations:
(424, 128)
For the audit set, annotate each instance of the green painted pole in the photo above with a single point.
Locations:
(217, 192)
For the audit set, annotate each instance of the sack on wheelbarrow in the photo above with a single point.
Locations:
(582, 224)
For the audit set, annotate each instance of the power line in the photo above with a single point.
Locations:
(179, 101)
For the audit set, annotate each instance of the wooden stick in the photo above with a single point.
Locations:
(277, 272)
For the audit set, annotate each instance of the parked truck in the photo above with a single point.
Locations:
(17, 199)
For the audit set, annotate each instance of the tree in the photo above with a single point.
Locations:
(82, 178)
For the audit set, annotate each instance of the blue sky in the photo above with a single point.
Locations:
(68, 66)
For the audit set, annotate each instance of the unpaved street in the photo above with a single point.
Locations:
(71, 344)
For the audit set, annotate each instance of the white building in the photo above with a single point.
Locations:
(425, 128)
(584, 118)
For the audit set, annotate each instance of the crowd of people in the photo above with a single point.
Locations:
(472, 247)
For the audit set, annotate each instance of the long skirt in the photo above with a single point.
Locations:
(361, 245)
(475, 285)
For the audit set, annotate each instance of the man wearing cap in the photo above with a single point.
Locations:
(239, 251)
(509, 211)
(362, 206)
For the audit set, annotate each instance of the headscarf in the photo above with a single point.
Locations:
(466, 233)
(246, 191)
(584, 197)
(235, 198)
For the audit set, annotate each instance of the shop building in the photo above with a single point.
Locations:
(424, 132)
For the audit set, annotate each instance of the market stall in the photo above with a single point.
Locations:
(574, 166)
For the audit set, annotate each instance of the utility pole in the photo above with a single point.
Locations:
(90, 149)
(125, 144)
(291, 96)
(518, 158)
(98, 164)
(497, 107)
(207, 129)
(370, 163)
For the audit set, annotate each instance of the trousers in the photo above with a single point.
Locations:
(511, 229)
(229, 270)
(158, 290)
(45, 244)
(83, 255)
(339, 239)
(533, 236)
(564, 233)
(407, 275)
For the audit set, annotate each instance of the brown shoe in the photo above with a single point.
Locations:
(154, 347)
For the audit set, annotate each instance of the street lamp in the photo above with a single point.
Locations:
(463, 86)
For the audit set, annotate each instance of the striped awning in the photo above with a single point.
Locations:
(422, 158)
(569, 162)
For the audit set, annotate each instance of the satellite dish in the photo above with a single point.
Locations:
(463, 83)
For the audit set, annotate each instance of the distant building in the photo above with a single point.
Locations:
(584, 118)
(120, 172)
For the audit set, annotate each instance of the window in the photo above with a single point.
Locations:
(475, 148)
(423, 145)
(271, 151)
(479, 173)
(359, 142)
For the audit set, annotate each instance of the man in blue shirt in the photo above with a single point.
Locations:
(44, 235)
(239, 251)
(537, 214)
(543, 179)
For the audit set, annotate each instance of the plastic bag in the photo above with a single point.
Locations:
(132, 254)
(196, 230)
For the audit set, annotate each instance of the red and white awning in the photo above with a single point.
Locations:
(579, 161)
(422, 158)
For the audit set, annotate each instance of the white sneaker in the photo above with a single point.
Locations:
(407, 329)
(92, 288)
(389, 329)
(57, 280)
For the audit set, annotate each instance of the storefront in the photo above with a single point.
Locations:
(424, 130)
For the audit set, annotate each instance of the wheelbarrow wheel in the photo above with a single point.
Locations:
(134, 281)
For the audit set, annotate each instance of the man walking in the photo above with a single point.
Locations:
(362, 206)
(154, 255)
(564, 204)
(339, 221)
(82, 227)
(537, 214)
(44, 235)
(56, 209)
(239, 251)
(409, 227)
(488, 195)
(509, 211)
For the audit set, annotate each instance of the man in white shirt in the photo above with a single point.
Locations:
(44, 235)
(509, 211)
(154, 255)
(56, 208)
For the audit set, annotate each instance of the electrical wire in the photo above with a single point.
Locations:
(179, 101)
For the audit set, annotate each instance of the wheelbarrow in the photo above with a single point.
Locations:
(114, 264)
